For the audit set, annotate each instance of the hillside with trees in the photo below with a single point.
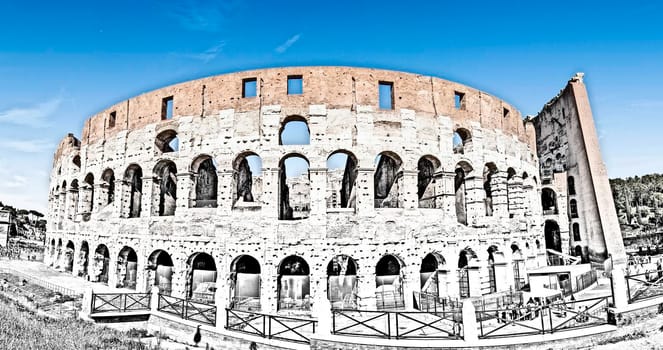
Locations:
(639, 203)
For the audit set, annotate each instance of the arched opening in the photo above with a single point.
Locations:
(464, 258)
(489, 185)
(133, 180)
(389, 283)
(108, 186)
(460, 190)
(201, 278)
(245, 283)
(573, 209)
(294, 188)
(127, 268)
(387, 181)
(73, 200)
(247, 180)
(294, 284)
(342, 170)
(160, 271)
(52, 253)
(58, 259)
(553, 242)
(433, 278)
(294, 131)
(428, 192)
(83, 260)
(69, 257)
(342, 282)
(549, 201)
(77, 162)
(576, 231)
(578, 251)
(206, 179)
(166, 184)
(167, 141)
(462, 141)
(571, 185)
(88, 194)
(510, 191)
(492, 279)
(518, 267)
(100, 266)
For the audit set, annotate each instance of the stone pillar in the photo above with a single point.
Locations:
(474, 199)
(146, 203)
(225, 192)
(366, 290)
(499, 193)
(62, 208)
(85, 199)
(470, 331)
(221, 303)
(448, 192)
(152, 186)
(620, 296)
(120, 202)
(112, 268)
(270, 193)
(411, 283)
(516, 196)
(141, 272)
(318, 191)
(365, 192)
(185, 192)
(474, 274)
(86, 304)
(408, 189)
(268, 288)
(154, 299)
(100, 197)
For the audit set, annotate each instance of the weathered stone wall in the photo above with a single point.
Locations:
(341, 109)
(567, 146)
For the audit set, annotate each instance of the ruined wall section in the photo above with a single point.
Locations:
(568, 147)
(341, 109)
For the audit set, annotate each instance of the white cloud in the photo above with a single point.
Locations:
(15, 181)
(208, 54)
(286, 45)
(27, 146)
(201, 15)
(34, 116)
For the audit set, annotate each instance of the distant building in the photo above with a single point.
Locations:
(5, 225)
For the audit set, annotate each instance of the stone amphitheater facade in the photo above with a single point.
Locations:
(123, 203)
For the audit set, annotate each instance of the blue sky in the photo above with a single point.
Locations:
(61, 62)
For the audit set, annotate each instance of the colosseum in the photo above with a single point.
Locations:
(362, 186)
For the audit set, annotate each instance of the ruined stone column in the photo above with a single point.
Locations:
(474, 198)
(146, 201)
(225, 192)
(318, 191)
(498, 187)
(516, 196)
(120, 203)
(100, 197)
(365, 192)
(408, 189)
(448, 195)
(85, 199)
(62, 213)
(270, 193)
(185, 192)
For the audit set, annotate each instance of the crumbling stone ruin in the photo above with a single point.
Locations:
(396, 183)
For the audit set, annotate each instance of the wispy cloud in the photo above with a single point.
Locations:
(201, 15)
(208, 54)
(288, 43)
(15, 181)
(33, 116)
(27, 146)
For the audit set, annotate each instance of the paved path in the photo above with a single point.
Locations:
(40, 271)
